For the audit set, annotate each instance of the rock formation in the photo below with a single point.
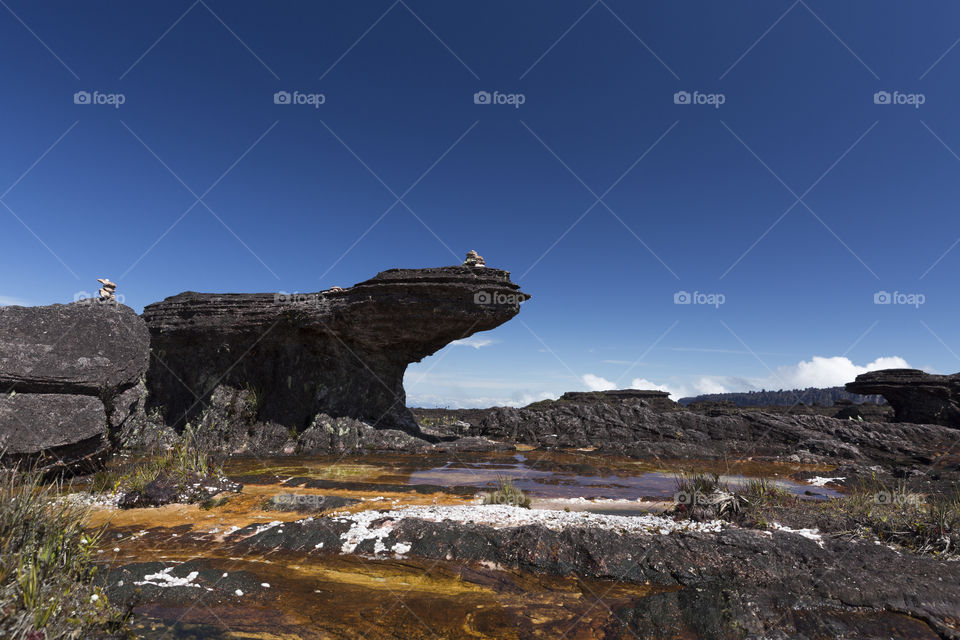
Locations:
(632, 427)
(652, 399)
(916, 396)
(107, 290)
(280, 360)
(474, 259)
(71, 377)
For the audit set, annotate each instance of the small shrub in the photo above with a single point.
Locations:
(507, 493)
(693, 486)
(254, 401)
(104, 481)
(187, 459)
(764, 491)
(46, 566)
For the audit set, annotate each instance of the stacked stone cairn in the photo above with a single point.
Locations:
(474, 259)
(108, 290)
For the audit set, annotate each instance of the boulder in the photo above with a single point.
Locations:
(52, 429)
(71, 377)
(340, 353)
(916, 396)
(348, 436)
(84, 348)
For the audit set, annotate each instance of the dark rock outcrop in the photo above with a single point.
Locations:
(341, 352)
(629, 427)
(71, 379)
(916, 396)
(730, 584)
(346, 436)
(659, 400)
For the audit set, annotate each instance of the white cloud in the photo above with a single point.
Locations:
(707, 384)
(476, 343)
(442, 389)
(819, 371)
(596, 383)
(829, 372)
(675, 392)
(480, 402)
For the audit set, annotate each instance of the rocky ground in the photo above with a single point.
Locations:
(926, 456)
(319, 549)
(314, 504)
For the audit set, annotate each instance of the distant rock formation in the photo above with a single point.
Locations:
(652, 399)
(71, 378)
(784, 398)
(631, 427)
(916, 396)
(280, 360)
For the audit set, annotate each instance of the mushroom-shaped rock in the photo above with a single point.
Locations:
(290, 357)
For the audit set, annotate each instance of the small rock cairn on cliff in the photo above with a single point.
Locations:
(108, 290)
(474, 259)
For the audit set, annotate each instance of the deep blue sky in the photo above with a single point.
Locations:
(103, 191)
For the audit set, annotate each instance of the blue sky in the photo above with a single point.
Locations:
(819, 169)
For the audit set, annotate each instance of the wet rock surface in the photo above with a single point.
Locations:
(916, 396)
(628, 427)
(71, 381)
(340, 352)
(507, 572)
(733, 583)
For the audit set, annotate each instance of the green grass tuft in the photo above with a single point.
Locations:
(507, 493)
(46, 566)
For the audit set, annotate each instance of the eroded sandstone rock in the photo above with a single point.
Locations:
(916, 396)
(294, 356)
(71, 378)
